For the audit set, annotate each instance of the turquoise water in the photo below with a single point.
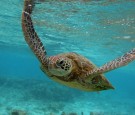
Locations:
(99, 30)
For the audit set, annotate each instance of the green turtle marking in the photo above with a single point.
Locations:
(70, 69)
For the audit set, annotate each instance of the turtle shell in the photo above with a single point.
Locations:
(77, 78)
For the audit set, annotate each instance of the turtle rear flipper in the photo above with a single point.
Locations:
(119, 62)
(31, 36)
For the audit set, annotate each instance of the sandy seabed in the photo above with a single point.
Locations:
(38, 97)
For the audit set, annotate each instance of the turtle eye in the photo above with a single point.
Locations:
(60, 63)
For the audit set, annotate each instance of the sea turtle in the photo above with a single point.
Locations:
(70, 69)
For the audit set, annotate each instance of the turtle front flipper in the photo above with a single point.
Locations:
(119, 62)
(30, 35)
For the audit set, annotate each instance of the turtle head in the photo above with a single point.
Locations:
(60, 65)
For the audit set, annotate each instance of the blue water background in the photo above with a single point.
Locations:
(99, 30)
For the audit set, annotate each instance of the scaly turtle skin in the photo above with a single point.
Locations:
(70, 69)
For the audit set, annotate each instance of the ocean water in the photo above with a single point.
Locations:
(99, 30)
